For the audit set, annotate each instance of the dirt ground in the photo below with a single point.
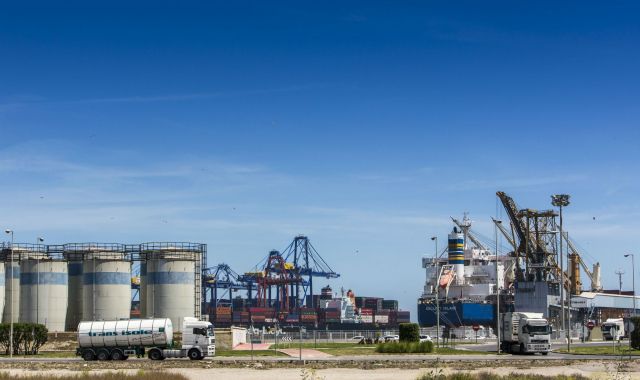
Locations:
(595, 370)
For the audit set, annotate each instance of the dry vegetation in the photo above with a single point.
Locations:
(140, 375)
(489, 376)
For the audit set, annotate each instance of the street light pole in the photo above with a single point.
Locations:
(562, 200)
(633, 279)
(11, 299)
(497, 288)
(435, 239)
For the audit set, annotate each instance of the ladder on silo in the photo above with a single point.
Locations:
(198, 285)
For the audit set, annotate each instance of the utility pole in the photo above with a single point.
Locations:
(633, 279)
(435, 239)
(619, 272)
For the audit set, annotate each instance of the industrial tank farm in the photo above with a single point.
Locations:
(61, 285)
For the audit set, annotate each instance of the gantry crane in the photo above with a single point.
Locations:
(222, 277)
(308, 264)
(282, 276)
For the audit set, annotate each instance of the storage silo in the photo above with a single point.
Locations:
(172, 281)
(11, 284)
(43, 289)
(106, 279)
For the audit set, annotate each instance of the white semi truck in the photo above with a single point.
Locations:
(117, 340)
(613, 329)
(522, 332)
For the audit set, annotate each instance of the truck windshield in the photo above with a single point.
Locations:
(210, 331)
(529, 329)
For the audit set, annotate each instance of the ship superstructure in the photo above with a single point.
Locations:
(466, 280)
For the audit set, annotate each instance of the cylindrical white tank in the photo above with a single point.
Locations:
(106, 278)
(134, 332)
(43, 291)
(11, 290)
(456, 254)
(170, 289)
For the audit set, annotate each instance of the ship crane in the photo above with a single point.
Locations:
(465, 226)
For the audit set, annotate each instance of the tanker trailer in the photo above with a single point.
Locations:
(117, 340)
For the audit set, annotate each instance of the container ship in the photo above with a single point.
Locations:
(465, 281)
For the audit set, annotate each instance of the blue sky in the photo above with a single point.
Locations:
(364, 126)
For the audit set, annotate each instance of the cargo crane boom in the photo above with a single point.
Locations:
(530, 239)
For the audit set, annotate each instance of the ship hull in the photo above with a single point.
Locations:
(457, 314)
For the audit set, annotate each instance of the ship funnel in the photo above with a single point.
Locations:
(456, 254)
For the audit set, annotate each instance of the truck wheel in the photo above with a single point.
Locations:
(521, 348)
(103, 355)
(545, 353)
(117, 354)
(194, 354)
(88, 355)
(155, 354)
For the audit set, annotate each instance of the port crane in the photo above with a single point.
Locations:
(222, 278)
(307, 263)
(533, 238)
(281, 275)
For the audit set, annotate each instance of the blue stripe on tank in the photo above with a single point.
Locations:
(44, 278)
(16, 273)
(164, 278)
(456, 261)
(106, 278)
(75, 269)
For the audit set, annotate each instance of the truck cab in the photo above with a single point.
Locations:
(525, 333)
(613, 329)
(198, 335)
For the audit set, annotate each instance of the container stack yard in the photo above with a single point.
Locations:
(280, 290)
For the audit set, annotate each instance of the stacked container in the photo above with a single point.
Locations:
(258, 314)
(223, 315)
(240, 317)
(366, 315)
(390, 304)
(308, 316)
(381, 317)
(373, 303)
